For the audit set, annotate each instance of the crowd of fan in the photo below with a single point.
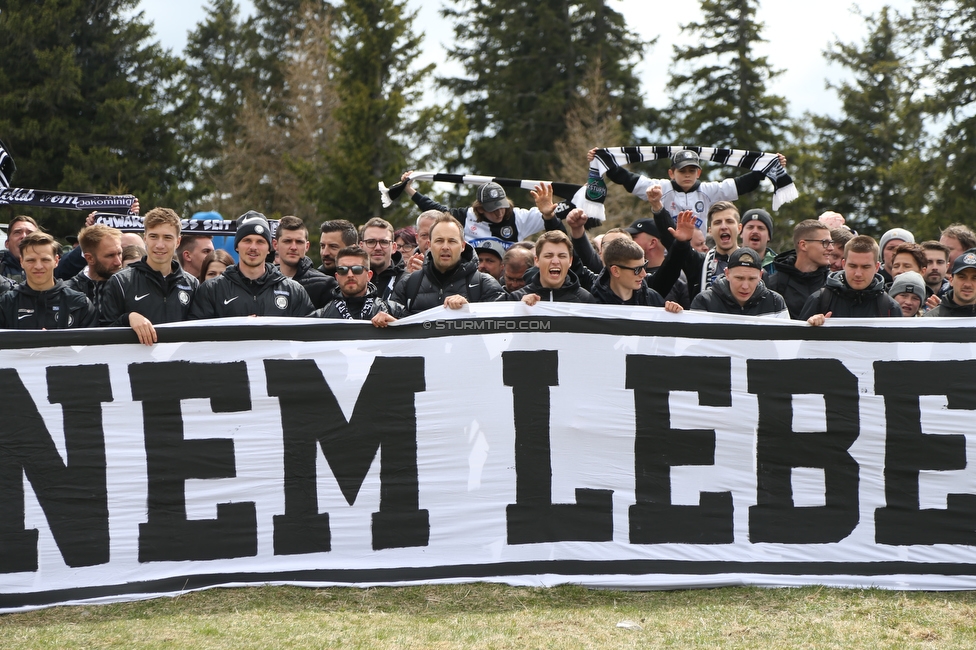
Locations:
(687, 255)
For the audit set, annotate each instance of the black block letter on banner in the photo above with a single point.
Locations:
(908, 451)
(779, 449)
(72, 494)
(534, 518)
(171, 460)
(384, 420)
(658, 448)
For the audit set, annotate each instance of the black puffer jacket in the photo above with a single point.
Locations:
(234, 294)
(794, 285)
(355, 308)
(60, 308)
(603, 294)
(10, 267)
(317, 285)
(844, 302)
(434, 287)
(718, 299)
(142, 289)
(571, 291)
(948, 307)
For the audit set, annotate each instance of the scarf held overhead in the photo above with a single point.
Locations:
(767, 164)
(390, 194)
(51, 199)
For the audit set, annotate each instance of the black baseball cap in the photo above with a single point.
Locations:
(685, 158)
(646, 226)
(745, 257)
(965, 261)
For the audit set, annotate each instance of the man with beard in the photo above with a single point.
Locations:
(757, 230)
(335, 235)
(741, 291)
(450, 276)
(102, 248)
(355, 297)
(42, 301)
(291, 242)
(936, 269)
(803, 270)
(554, 282)
(856, 292)
(153, 290)
(961, 297)
(252, 287)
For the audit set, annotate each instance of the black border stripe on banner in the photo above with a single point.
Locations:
(501, 570)
(340, 331)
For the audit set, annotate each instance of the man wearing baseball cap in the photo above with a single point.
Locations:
(252, 287)
(491, 252)
(741, 290)
(960, 300)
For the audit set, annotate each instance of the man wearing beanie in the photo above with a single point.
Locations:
(252, 287)
(889, 242)
(960, 300)
(908, 290)
(741, 290)
(757, 230)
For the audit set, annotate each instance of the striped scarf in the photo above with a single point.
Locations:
(388, 195)
(766, 163)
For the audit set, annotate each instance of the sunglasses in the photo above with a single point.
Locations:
(356, 270)
(636, 269)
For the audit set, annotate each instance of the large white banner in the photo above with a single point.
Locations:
(606, 446)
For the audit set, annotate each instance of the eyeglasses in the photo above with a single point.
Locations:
(359, 269)
(636, 269)
(373, 243)
(826, 243)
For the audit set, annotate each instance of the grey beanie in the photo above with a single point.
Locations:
(908, 282)
(896, 233)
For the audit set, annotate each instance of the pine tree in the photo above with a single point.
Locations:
(377, 86)
(946, 29)
(86, 103)
(869, 151)
(524, 63)
(724, 100)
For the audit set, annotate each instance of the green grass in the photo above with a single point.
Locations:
(494, 616)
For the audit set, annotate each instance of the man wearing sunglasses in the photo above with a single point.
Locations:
(355, 298)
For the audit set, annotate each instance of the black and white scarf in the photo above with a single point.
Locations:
(766, 163)
(59, 200)
(343, 309)
(388, 195)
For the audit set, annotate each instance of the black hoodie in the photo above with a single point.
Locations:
(718, 299)
(793, 284)
(948, 307)
(603, 294)
(570, 291)
(844, 302)
(317, 285)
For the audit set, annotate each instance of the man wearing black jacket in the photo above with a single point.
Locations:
(554, 282)
(385, 261)
(803, 270)
(621, 282)
(741, 290)
(355, 297)
(153, 290)
(42, 302)
(252, 287)
(102, 249)
(291, 242)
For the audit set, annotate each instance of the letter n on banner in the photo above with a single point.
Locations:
(658, 448)
(535, 518)
(779, 449)
(171, 460)
(908, 451)
(384, 419)
(72, 495)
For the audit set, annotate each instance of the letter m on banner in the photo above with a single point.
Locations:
(384, 420)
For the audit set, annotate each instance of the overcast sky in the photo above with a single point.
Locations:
(797, 35)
